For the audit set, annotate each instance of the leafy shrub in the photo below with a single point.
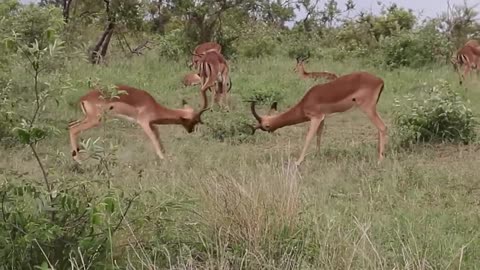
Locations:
(300, 44)
(257, 41)
(67, 226)
(436, 115)
(171, 45)
(7, 113)
(265, 95)
(413, 49)
(231, 127)
(33, 24)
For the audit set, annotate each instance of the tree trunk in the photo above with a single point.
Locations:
(66, 9)
(100, 49)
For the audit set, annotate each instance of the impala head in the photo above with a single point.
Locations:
(300, 61)
(191, 117)
(264, 122)
(195, 58)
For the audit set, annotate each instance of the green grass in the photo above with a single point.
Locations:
(218, 205)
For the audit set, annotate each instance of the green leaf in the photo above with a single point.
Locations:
(23, 135)
(109, 204)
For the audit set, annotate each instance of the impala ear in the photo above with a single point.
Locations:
(273, 108)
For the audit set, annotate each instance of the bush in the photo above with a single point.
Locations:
(413, 49)
(172, 45)
(7, 116)
(257, 41)
(264, 96)
(229, 127)
(437, 115)
(63, 227)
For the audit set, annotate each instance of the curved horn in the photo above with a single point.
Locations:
(254, 128)
(306, 57)
(230, 82)
(200, 115)
(255, 114)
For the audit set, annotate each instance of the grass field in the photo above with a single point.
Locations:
(221, 205)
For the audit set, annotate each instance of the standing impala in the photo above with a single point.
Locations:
(467, 56)
(213, 69)
(202, 48)
(135, 105)
(360, 89)
(300, 69)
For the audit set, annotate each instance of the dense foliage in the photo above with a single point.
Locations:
(435, 114)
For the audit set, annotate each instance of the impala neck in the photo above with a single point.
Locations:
(166, 116)
(301, 71)
(290, 117)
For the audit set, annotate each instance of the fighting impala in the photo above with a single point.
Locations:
(213, 69)
(135, 105)
(359, 89)
(300, 69)
(201, 49)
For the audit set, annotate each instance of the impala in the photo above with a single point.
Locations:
(458, 58)
(213, 69)
(191, 79)
(469, 57)
(300, 69)
(360, 89)
(135, 105)
(202, 48)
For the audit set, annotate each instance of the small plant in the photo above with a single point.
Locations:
(265, 96)
(437, 115)
(229, 127)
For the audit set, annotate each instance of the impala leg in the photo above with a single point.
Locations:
(152, 134)
(466, 70)
(224, 91)
(76, 128)
(314, 125)
(319, 134)
(205, 86)
(382, 132)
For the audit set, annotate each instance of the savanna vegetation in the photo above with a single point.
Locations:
(223, 198)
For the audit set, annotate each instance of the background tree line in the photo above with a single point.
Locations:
(395, 37)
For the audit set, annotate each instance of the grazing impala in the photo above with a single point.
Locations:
(202, 48)
(213, 69)
(135, 105)
(300, 69)
(468, 56)
(360, 89)
(191, 79)
(454, 57)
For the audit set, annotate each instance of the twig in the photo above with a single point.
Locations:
(44, 172)
(37, 96)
